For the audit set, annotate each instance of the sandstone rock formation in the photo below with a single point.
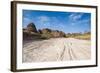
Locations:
(32, 33)
(31, 27)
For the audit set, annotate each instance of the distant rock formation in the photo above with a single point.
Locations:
(52, 33)
(31, 28)
(45, 31)
(57, 33)
(32, 33)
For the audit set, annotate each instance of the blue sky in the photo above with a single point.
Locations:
(68, 22)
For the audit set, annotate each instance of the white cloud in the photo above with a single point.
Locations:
(73, 24)
(26, 21)
(75, 16)
(43, 19)
(48, 21)
(75, 19)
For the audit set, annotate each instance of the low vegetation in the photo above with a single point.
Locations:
(83, 36)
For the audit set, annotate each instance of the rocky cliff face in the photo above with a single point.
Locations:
(57, 33)
(31, 32)
(52, 33)
(31, 28)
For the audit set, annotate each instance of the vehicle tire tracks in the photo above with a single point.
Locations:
(71, 52)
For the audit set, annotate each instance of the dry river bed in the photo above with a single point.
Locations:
(56, 49)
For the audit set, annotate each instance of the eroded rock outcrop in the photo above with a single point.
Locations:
(31, 32)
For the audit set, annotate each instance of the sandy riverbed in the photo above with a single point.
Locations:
(56, 49)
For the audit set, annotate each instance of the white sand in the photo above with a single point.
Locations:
(57, 49)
